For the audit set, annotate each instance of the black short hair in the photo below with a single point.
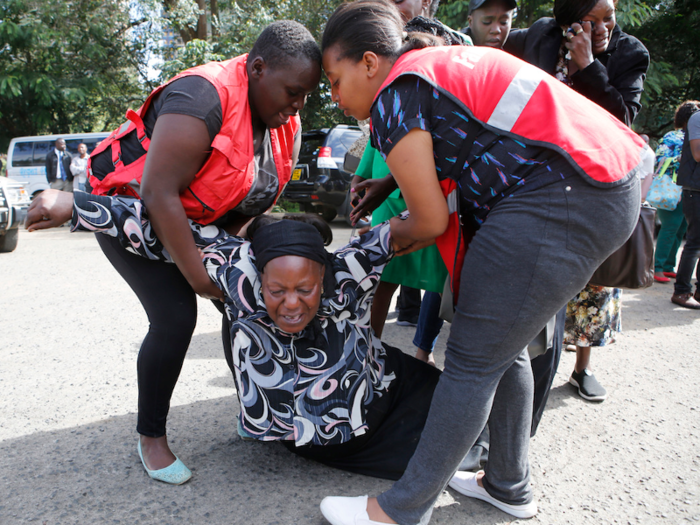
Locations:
(283, 41)
(684, 112)
(566, 12)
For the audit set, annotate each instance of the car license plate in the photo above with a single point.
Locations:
(296, 174)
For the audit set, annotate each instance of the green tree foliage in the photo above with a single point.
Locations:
(233, 32)
(76, 65)
(672, 35)
(67, 66)
(670, 29)
(194, 53)
(182, 16)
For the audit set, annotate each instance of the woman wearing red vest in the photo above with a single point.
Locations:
(215, 145)
(474, 134)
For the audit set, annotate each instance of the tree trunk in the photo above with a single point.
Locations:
(214, 8)
(202, 22)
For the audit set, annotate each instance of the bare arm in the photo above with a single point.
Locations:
(411, 162)
(179, 147)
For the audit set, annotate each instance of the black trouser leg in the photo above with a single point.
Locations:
(408, 304)
(171, 306)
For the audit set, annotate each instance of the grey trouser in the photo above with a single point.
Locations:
(63, 185)
(536, 250)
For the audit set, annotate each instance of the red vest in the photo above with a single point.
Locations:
(229, 172)
(516, 99)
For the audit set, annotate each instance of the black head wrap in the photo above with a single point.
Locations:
(288, 237)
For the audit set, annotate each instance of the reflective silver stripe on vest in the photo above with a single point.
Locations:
(515, 98)
(452, 202)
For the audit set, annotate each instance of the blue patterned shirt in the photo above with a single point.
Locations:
(496, 165)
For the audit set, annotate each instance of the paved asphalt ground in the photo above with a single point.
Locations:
(69, 334)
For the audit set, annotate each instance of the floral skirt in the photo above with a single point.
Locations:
(593, 317)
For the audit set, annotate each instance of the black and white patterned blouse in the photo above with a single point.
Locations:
(312, 387)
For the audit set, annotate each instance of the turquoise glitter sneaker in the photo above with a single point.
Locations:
(174, 474)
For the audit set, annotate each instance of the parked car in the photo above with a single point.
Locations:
(26, 156)
(14, 202)
(319, 183)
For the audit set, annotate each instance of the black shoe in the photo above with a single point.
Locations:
(413, 321)
(588, 386)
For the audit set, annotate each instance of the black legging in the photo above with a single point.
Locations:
(171, 306)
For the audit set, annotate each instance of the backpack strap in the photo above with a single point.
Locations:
(117, 153)
(136, 119)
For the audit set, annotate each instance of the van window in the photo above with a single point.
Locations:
(72, 145)
(32, 153)
(41, 149)
(91, 144)
(22, 154)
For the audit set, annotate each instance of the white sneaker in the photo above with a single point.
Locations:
(465, 483)
(347, 511)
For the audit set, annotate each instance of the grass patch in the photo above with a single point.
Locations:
(285, 206)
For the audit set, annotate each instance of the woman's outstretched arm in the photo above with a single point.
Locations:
(124, 218)
(411, 162)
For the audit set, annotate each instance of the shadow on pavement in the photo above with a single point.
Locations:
(92, 474)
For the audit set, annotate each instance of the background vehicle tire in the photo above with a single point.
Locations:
(8, 242)
(328, 213)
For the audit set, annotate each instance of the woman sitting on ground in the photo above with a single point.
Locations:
(308, 369)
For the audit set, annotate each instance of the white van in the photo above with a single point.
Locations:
(26, 156)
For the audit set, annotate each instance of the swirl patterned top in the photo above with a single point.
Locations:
(312, 387)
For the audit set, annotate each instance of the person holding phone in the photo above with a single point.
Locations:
(585, 48)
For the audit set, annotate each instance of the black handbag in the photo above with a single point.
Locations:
(632, 264)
